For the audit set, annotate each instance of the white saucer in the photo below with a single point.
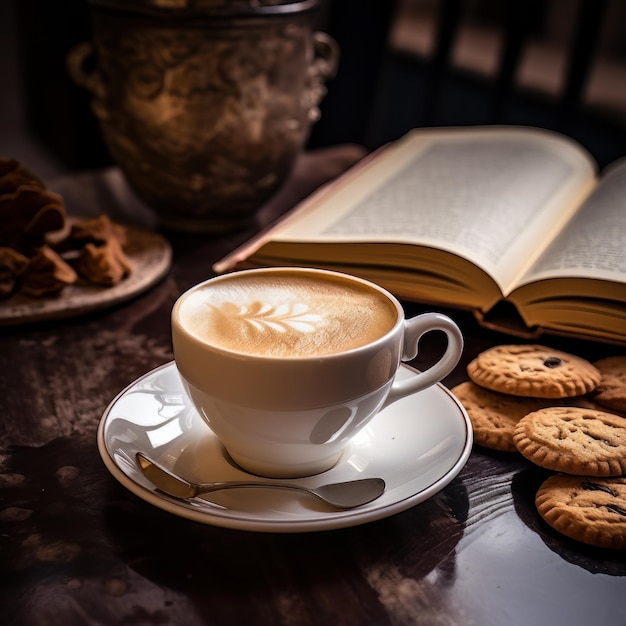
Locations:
(418, 445)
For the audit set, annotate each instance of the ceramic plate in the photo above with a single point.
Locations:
(150, 255)
(417, 445)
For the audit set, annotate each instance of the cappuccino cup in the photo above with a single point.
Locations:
(287, 365)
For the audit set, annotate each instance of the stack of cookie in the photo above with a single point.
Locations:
(565, 414)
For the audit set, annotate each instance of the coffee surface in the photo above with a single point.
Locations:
(287, 314)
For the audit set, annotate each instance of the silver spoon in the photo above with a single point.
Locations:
(346, 495)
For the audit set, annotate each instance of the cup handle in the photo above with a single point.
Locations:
(414, 328)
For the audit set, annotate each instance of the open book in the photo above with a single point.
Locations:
(513, 223)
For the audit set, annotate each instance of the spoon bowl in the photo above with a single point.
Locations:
(343, 495)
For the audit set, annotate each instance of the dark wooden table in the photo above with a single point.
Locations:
(77, 548)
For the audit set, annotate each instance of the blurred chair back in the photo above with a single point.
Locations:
(419, 63)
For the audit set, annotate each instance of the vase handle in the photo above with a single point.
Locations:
(322, 67)
(76, 62)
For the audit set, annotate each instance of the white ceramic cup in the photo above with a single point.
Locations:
(286, 365)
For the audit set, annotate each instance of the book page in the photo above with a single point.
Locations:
(593, 243)
(472, 199)
(494, 195)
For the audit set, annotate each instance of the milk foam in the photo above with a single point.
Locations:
(287, 315)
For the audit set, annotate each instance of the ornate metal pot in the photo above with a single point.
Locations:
(204, 104)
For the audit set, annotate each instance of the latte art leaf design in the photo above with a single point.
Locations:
(267, 317)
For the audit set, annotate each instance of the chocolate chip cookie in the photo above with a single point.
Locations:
(591, 510)
(573, 440)
(533, 371)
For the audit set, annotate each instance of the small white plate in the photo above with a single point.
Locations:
(417, 445)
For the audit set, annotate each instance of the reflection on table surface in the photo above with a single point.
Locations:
(79, 548)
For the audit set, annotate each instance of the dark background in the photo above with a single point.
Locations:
(394, 74)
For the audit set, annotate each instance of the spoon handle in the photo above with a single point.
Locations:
(204, 488)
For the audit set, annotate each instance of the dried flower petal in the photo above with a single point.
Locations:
(12, 266)
(103, 265)
(14, 175)
(28, 215)
(47, 273)
(97, 230)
